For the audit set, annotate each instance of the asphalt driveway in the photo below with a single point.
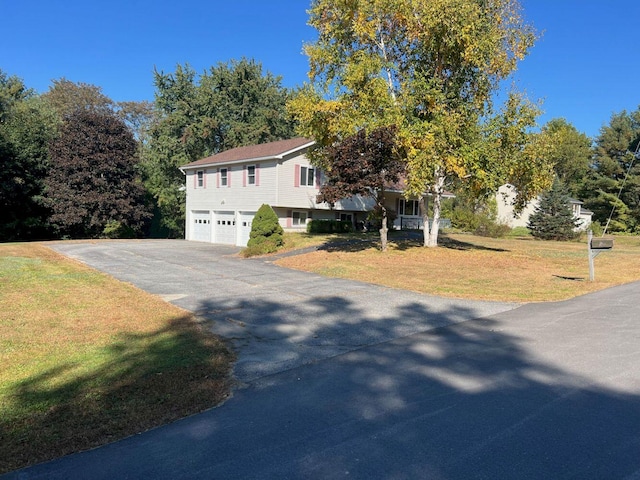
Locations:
(276, 318)
(347, 380)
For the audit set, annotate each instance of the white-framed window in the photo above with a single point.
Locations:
(409, 207)
(298, 219)
(224, 177)
(200, 179)
(346, 217)
(251, 175)
(307, 176)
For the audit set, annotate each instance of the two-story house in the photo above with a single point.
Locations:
(224, 191)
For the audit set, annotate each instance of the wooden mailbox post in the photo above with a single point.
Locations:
(596, 246)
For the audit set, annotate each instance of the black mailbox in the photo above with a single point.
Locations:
(601, 244)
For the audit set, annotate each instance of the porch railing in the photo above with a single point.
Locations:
(416, 223)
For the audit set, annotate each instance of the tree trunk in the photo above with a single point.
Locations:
(435, 227)
(438, 190)
(384, 229)
(425, 219)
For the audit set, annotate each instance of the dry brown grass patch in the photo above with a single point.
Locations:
(467, 266)
(88, 359)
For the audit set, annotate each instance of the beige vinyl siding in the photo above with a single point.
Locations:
(235, 196)
(293, 196)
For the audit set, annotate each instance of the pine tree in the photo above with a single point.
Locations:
(553, 218)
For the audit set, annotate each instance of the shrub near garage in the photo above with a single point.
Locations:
(266, 233)
(329, 226)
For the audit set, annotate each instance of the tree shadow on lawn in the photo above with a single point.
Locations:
(403, 240)
(418, 392)
(140, 381)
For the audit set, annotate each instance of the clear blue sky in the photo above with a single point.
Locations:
(585, 67)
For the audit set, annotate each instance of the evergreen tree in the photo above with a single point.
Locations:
(553, 218)
(612, 187)
(266, 232)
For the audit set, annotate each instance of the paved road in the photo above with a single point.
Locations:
(370, 382)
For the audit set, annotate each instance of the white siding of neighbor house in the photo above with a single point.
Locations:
(506, 213)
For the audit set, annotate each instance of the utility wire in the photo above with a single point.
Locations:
(636, 155)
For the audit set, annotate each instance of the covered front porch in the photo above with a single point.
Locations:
(407, 211)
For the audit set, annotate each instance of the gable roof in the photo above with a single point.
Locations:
(262, 151)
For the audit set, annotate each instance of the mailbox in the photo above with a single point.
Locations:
(601, 244)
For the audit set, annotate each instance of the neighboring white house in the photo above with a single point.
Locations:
(506, 213)
(224, 192)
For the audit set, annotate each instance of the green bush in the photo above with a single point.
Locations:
(329, 226)
(115, 229)
(266, 233)
(489, 228)
(479, 223)
(261, 247)
(596, 228)
(464, 219)
(520, 232)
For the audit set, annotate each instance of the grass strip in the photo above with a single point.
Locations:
(87, 359)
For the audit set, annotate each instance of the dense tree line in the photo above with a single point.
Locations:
(604, 172)
(76, 164)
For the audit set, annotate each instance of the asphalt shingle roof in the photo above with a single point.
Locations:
(253, 152)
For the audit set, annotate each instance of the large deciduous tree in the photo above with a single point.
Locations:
(93, 187)
(363, 164)
(431, 68)
(229, 105)
(66, 97)
(570, 152)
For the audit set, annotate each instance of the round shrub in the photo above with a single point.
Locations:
(266, 233)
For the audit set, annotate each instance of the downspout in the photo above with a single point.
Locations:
(187, 233)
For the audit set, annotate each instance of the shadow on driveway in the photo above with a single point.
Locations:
(545, 391)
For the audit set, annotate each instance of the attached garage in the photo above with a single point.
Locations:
(201, 226)
(224, 227)
(244, 227)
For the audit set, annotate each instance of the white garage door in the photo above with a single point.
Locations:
(201, 226)
(244, 228)
(224, 227)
